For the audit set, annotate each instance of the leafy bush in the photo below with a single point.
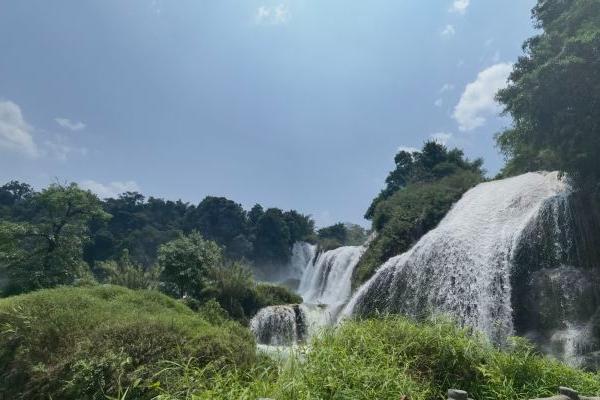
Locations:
(124, 272)
(272, 295)
(85, 343)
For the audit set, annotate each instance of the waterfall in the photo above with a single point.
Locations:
(465, 266)
(279, 325)
(302, 256)
(325, 287)
(328, 279)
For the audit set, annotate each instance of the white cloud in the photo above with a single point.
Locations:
(15, 132)
(489, 42)
(407, 149)
(59, 149)
(70, 125)
(112, 189)
(441, 137)
(448, 31)
(447, 87)
(273, 15)
(477, 102)
(438, 102)
(460, 6)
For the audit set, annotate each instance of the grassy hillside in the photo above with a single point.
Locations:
(85, 343)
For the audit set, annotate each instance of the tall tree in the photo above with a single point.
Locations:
(186, 263)
(48, 250)
(553, 94)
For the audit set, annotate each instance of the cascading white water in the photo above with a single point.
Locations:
(328, 279)
(463, 267)
(278, 325)
(325, 288)
(302, 256)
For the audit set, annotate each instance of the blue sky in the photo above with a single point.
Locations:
(290, 103)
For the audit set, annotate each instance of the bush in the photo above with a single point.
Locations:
(88, 343)
(273, 295)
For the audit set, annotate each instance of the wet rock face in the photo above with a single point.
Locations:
(560, 296)
(556, 283)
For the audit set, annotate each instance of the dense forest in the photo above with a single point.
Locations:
(146, 298)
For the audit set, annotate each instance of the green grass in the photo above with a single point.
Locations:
(114, 343)
(90, 343)
(386, 359)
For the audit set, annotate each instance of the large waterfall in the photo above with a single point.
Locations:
(463, 267)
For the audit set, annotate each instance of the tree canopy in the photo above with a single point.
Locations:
(434, 161)
(553, 94)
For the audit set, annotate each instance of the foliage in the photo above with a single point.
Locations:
(186, 263)
(419, 193)
(384, 359)
(222, 221)
(124, 272)
(88, 343)
(431, 163)
(341, 234)
(553, 95)
(47, 249)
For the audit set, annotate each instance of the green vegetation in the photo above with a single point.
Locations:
(386, 359)
(338, 235)
(419, 192)
(554, 93)
(97, 231)
(88, 343)
(47, 249)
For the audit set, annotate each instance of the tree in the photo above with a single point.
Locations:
(186, 263)
(48, 250)
(553, 95)
(223, 221)
(272, 243)
(433, 162)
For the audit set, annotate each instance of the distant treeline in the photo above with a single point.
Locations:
(140, 225)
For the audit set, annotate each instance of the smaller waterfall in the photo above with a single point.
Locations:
(279, 325)
(302, 256)
(325, 287)
(328, 280)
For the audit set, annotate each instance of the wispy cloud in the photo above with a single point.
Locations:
(439, 102)
(273, 15)
(477, 102)
(15, 132)
(460, 6)
(441, 137)
(448, 31)
(59, 149)
(111, 189)
(446, 88)
(70, 125)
